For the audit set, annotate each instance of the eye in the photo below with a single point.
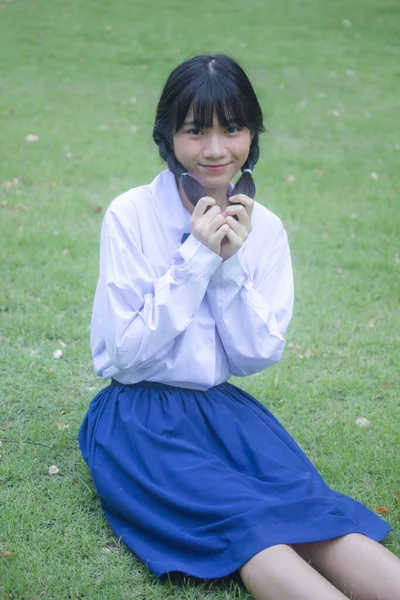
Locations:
(233, 129)
(194, 131)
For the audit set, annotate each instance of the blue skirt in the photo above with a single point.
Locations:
(200, 481)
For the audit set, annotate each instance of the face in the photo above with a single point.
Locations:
(212, 155)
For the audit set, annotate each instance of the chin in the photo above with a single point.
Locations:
(216, 179)
(215, 185)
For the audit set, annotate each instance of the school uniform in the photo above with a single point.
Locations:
(194, 474)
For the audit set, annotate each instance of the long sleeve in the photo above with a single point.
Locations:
(136, 314)
(252, 314)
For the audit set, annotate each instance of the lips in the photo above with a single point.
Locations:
(215, 168)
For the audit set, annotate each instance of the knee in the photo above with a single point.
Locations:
(264, 558)
(313, 551)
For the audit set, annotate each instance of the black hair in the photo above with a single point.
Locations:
(209, 84)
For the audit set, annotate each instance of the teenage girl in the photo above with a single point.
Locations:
(194, 474)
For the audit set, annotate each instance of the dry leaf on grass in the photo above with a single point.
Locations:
(106, 550)
(5, 554)
(382, 510)
(294, 346)
(31, 137)
(53, 470)
(308, 353)
(361, 422)
(396, 494)
(9, 184)
(62, 426)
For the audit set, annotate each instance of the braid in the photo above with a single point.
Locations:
(245, 185)
(192, 188)
(162, 148)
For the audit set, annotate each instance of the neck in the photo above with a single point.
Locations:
(220, 195)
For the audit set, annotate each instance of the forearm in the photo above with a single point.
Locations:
(142, 320)
(251, 321)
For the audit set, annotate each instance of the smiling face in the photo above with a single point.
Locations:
(212, 155)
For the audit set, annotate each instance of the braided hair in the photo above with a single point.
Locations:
(208, 84)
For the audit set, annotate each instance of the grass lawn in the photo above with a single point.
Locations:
(83, 78)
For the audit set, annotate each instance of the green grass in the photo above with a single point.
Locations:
(80, 75)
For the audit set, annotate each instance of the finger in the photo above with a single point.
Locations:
(236, 226)
(213, 217)
(202, 205)
(221, 233)
(235, 238)
(236, 209)
(242, 198)
(216, 221)
(240, 214)
(239, 210)
(205, 210)
(246, 201)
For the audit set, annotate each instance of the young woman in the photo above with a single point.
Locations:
(194, 474)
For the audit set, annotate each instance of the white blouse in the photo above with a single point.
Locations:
(176, 312)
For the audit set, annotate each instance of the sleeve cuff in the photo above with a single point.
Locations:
(232, 269)
(198, 257)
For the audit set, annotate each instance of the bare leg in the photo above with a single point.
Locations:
(279, 573)
(357, 565)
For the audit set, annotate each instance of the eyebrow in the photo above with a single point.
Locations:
(192, 123)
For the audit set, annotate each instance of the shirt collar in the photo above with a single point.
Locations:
(168, 201)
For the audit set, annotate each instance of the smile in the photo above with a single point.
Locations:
(215, 168)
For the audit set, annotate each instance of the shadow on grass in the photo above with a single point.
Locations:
(231, 583)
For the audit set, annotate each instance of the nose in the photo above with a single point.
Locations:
(214, 147)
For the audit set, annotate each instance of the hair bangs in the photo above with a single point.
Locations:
(213, 96)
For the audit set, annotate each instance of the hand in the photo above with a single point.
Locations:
(238, 229)
(208, 223)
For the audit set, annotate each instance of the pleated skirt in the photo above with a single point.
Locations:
(200, 481)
